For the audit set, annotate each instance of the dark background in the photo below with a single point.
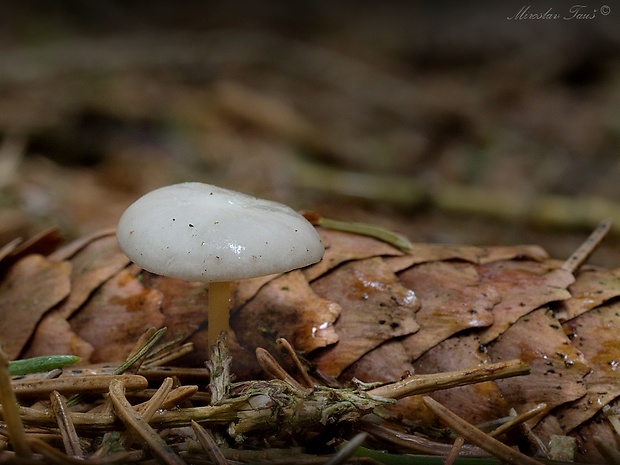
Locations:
(446, 121)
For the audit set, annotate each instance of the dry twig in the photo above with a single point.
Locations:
(421, 384)
(88, 384)
(582, 253)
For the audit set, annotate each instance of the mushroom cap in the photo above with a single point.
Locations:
(200, 232)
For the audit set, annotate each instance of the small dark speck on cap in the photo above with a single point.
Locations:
(191, 225)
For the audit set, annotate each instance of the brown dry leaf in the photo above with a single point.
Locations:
(422, 253)
(372, 366)
(342, 247)
(184, 303)
(6, 250)
(94, 261)
(596, 335)
(184, 307)
(54, 335)
(69, 250)
(375, 307)
(42, 244)
(591, 288)
(117, 315)
(598, 428)
(524, 285)
(558, 368)
(458, 353)
(286, 307)
(453, 298)
(93, 264)
(513, 252)
(242, 291)
(30, 288)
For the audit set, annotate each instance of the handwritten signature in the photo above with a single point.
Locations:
(575, 12)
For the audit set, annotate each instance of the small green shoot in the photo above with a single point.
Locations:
(41, 364)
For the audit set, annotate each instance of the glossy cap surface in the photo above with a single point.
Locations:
(200, 232)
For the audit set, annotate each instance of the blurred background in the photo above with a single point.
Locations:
(470, 122)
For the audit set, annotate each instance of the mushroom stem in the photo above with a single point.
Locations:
(218, 313)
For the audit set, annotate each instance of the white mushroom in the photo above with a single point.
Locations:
(200, 232)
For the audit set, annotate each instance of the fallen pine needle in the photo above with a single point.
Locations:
(70, 439)
(415, 444)
(175, 397)
(582, 253)
(274, 369)
(209, 445)
(134, 422)
(519, 419)
(476, 436)
(348, 450)
(148, 409)
(455, 450)
(10, 411)
(53, 455)
(364, 229)
(609, 452)
(286, 346)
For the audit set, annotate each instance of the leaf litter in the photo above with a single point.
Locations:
(493, 312)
